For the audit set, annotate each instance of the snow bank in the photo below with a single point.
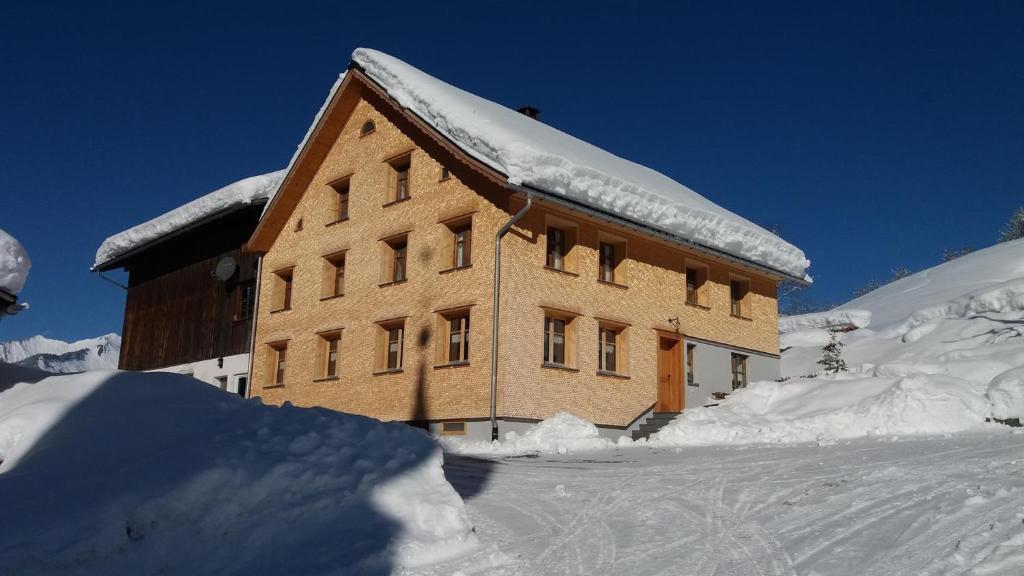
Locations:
(14, 264)
(534, 154)
(247, 191)
(827, 409)
(559, 434)
(145, 473)
(829, 319)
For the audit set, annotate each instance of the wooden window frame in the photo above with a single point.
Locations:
(278, 362)
(323, 359)
(445, 329)
(569, 344)
(446, 174)
(388, 332)
(700, 276)
(245, 305)
(568, 238)
(739, 307)
(740, 378)
(444, 431)
(453, 228)
(395, 259)
(283, 284)
(399, 165)
(342, 192)
(620, 344)
(333, 269)
(614, 271)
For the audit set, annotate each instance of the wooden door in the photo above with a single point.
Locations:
(670, 375)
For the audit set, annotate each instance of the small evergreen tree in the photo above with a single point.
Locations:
(954, 253)
(1013, 229)
(832, 355)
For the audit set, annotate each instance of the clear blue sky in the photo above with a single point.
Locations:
(872, 135)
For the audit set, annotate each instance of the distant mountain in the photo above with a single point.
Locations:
(63, 357)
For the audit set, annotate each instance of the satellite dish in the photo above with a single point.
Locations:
(225, 268)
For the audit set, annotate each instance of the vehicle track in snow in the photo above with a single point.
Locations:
(864, 508)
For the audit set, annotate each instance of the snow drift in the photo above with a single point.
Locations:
(938, 352)
(559, 434)
(145, 473)
(14, 264)
(62, 357)
(248, 191)
(534, 154)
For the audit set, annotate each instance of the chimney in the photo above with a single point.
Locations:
(529, 111)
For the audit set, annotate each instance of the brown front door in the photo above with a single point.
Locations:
(670, 375)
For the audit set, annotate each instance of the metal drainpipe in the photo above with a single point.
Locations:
(495, 309)
(252, 331)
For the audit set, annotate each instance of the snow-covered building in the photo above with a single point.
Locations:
(616, 292)
(14, 267)
(191, 289)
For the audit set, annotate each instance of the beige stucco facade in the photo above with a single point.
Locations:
(647, 298)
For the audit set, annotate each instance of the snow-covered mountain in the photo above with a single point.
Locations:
(937, 352)
(63, 357)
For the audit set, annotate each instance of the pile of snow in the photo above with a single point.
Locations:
(155, 473)
(559, 434)
(938, 352)
(14, 264)
(533, 154)
(62, 357)
(248, 191)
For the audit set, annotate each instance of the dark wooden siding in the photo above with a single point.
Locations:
(177, 310)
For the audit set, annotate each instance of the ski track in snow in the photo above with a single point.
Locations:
(875, 507)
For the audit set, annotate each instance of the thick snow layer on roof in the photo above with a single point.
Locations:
(14, 264)
(173, 476)
(534, 154)
(247, 191)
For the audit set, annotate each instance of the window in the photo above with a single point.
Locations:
(561, 242)
(367, 128)
(243, 385)
(341, 190)
(739, 290)
(690, 353)
(607, 344)
(298, 225)
(283, 289)
(222, 382)
(458, 338)
(246, 300)
(462, 243)
(696, 285)
(453, 428)
(739, 371)
(611, 254)
(333, 282)
(458, 243)
(398, 271)
(394, 260)
(390, 346)
(279, 361)
(445, 174)
(327, 365)
(396, 337)
(559, 339)
(400, 186)
(556, 248)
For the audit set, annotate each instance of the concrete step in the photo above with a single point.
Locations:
(653, 423)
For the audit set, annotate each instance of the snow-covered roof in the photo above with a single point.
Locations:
(14, 264)
(532, 154)
(252, 190)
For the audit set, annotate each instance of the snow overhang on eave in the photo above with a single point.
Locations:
(121, 260)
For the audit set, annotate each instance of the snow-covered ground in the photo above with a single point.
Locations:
(112, 473)
(923, 507)
(937, 352)
(63, 357)
(14, 264)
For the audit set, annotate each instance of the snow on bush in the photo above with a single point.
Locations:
(828, 409)
(247, 191)
(559, 434)
(14, 264)
(153, 473)
(534, 154)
